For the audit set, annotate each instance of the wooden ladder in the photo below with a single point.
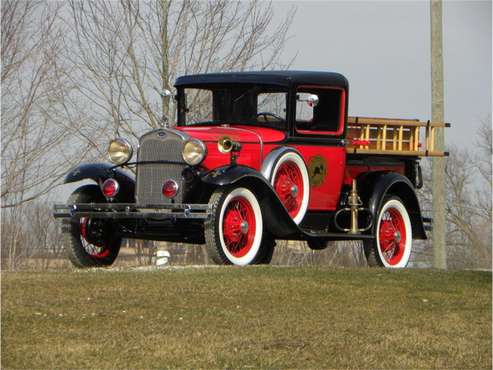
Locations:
(367, 135)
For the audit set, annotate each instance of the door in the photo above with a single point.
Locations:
(318, 132)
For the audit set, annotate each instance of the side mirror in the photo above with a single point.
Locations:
(165, 95)
(312, 100)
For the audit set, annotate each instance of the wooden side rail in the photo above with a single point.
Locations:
(366, 135)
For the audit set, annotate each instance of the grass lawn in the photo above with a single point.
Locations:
(258, 317)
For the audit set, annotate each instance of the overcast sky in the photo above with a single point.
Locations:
(383, 48)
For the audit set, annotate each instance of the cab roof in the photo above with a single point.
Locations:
(280, 78)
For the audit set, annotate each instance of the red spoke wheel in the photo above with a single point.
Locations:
(291, 183)
(94, 249)
(90, 242)
(392, 247)
(238, 226)
(234, 232)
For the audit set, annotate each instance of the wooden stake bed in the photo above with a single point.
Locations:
(367, 135)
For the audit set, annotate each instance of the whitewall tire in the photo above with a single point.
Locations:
(291, 182)
(234, 231)
(393, 236)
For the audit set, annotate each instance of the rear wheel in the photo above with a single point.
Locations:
(90, 242)
(234, 232)
(392, 245)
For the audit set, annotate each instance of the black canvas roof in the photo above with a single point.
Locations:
(281, 78)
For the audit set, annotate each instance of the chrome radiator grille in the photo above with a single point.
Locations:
(159, 145)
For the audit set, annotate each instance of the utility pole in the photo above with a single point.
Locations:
(438, 164)
(165, 61)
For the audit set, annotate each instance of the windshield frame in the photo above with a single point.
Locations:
(279, 125)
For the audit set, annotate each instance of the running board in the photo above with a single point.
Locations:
(309, 234)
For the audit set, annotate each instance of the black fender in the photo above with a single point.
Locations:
(276, 218)
(99, 172)
(375, 187)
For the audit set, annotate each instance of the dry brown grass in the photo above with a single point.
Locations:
(261, 317)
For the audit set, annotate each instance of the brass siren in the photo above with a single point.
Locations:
(225, 144)
(354, 202)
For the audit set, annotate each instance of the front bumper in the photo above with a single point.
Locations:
(133, 211)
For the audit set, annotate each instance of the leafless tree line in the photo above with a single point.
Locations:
(36, 125)
(31, 238)
(468, 177)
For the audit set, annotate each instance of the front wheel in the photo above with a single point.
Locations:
(234, 232)
(90, 242)
(392, 245)
(291, 182)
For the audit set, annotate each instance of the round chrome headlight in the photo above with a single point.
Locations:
(120, 151)
(194, 152)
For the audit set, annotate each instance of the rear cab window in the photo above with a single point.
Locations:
(320, 110)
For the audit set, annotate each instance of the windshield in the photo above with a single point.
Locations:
(233, 104)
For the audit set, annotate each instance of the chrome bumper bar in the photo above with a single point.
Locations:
(132, 211)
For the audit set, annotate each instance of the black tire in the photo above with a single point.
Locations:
(267, 250)
(374, 257)
(262, 248)
(318, 244)
(74, 243)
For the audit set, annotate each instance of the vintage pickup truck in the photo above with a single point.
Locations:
(255, 157)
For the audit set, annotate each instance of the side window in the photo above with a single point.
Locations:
(320, 111)
(271, 106)
(198, 105)
(304, 108)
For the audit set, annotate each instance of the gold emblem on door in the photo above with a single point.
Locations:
(317, 170)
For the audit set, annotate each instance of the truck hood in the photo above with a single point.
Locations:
(240, 133)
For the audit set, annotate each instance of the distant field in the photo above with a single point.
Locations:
(262, 317)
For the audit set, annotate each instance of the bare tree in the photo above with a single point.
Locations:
(30, 237)
(13, 238)
(468, 206)
(484, 166)
(39, 128)
(44, 236)
(36, 116)
(128, 52)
